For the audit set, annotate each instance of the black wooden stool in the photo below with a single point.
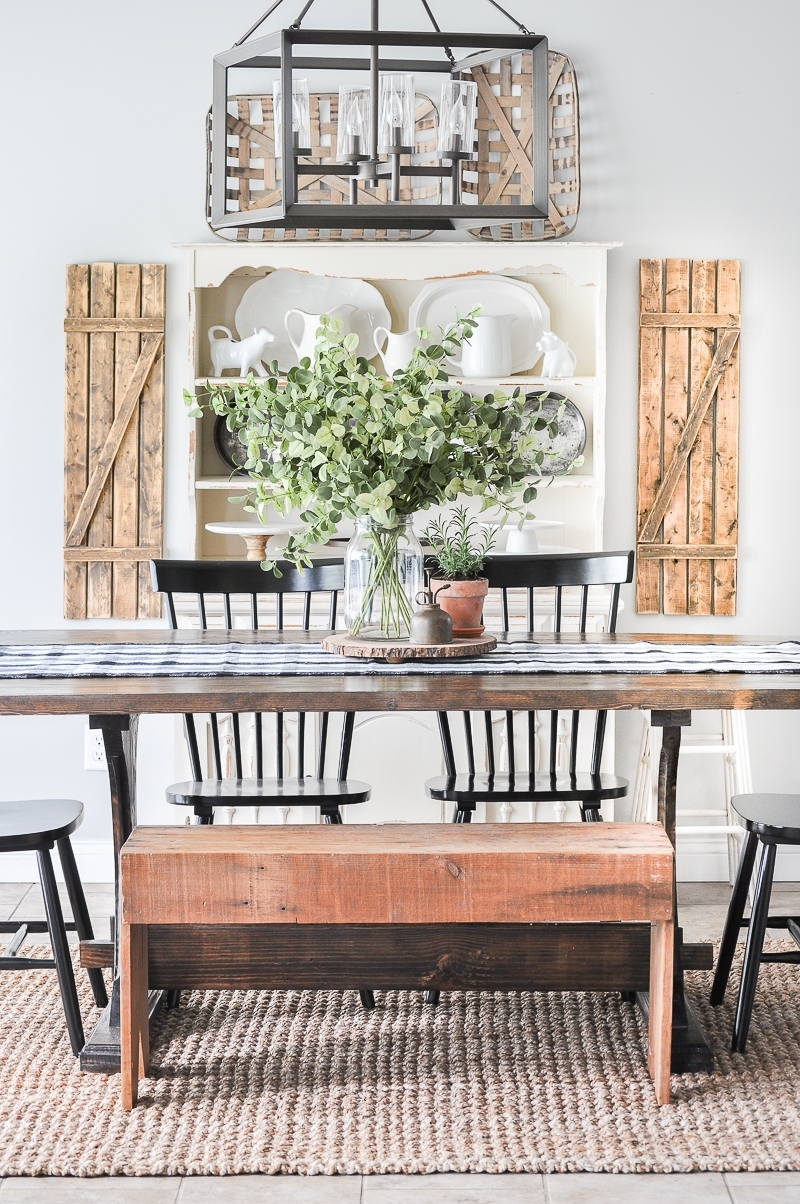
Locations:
(36, 827)
(772, 819)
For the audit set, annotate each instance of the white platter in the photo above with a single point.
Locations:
(267, 301)
(252, 528)
(441, 300)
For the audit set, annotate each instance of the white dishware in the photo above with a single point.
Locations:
(525, 542)
(559, 360)
(244, 356)
(488, 352)
(269, 299)
(441, 301)
(397, 349)
(304, 339)
(257, 536)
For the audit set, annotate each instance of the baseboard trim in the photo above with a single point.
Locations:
(705, 859)
(95, 860)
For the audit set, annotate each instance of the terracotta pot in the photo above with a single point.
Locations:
(463, 601)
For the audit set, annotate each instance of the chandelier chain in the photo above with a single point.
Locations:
(260, 21)
(435, 25)
(296, 24)
(522, 28)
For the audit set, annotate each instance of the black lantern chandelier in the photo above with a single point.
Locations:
(357, 162)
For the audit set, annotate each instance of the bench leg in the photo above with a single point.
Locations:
(662, 941)
(134, 1024)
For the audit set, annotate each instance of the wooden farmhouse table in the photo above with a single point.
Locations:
(620, 961)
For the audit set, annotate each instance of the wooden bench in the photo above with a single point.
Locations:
(407, 906)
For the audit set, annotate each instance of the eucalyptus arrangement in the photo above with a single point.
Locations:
(336, 440)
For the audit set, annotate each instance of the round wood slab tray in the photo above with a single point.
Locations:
(395, 651)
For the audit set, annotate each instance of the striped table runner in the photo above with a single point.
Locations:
(271, 660)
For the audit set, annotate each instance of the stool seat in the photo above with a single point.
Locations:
(770, 816)
(269, 792)
(38, 823)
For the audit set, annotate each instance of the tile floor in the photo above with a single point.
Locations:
(702, 905)
(760, 1188)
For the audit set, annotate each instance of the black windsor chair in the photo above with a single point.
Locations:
(205, 578)
(552, 572)
(226, 578)
(769, 820)
(36, 827)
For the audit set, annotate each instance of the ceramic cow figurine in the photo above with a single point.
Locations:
(245, 355)
(558, 359)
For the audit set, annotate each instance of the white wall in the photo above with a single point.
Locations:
(688, 114)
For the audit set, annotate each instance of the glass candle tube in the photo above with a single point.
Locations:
(352, 137)
(396, 114)
(301, 119)
(457, 114)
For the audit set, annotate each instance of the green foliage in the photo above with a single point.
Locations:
(338, 440)
(459, 545)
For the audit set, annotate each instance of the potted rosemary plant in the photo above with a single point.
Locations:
(337, 440)
(459, 549)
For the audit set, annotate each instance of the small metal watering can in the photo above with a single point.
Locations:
(430, 624)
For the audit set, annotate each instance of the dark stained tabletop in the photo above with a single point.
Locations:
(545, 691)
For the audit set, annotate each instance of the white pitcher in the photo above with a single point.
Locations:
(488, 352)
(398, 349)
(304, 346)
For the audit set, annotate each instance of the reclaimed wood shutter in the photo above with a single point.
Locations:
(114, 439)
(687, 495)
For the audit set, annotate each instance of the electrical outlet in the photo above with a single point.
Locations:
(94, 753)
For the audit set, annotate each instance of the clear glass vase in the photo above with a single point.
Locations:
(383, 573)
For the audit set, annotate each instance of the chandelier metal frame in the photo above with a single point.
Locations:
(284, 51)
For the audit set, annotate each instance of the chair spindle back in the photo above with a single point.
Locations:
(208, 578)
(555, 572)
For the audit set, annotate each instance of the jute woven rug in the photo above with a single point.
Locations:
(308, 1083)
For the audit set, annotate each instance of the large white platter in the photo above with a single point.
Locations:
(441, 301)
(267, 302)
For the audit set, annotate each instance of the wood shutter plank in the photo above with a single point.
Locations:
(726, 483)
(701, 457)
(676, 409)
(711, 321)
(101, 415)
(112, 325)
(126, 462)
(76, 419)
(651, 365)
(151, 451)
(699, 551)
(111, 555)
